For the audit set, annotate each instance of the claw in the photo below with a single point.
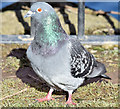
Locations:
(47, 98)
(69, 101)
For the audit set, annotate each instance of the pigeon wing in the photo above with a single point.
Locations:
(82, 62)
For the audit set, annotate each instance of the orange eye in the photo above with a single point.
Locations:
(39, 10)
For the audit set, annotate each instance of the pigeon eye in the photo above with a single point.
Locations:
(39, 10)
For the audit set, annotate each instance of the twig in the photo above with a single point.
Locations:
(12, 76)
(14, 94)
(103, 12)
(113, 12)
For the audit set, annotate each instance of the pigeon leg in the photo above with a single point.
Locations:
(69, 101)
(48, 97)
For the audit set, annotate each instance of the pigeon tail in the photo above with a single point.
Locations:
(98, 70)
(105, 76)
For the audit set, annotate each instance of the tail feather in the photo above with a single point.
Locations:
(105, 76)
(98, 70)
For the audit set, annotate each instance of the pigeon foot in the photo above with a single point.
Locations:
(69, 101)
(47, 98)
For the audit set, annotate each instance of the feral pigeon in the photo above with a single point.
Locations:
(56, 57)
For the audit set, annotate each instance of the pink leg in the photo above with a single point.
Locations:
(47, 98)
(69, 101)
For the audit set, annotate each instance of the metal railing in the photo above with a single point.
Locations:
(81, 18)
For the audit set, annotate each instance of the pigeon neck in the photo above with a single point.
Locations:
(50, 31)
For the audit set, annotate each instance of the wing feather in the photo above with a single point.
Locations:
(82, 62)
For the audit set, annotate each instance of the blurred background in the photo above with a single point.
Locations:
(101, 18)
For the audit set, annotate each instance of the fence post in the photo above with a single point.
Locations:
(81, 18)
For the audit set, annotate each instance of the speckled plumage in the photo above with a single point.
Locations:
(56, 57)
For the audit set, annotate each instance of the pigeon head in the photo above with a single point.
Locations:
(40, 10)
(48, 30)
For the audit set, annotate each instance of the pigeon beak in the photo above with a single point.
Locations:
(29, 14)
